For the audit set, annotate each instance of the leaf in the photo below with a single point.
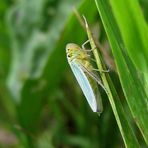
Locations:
(133, 89)
(134, 31)
(122, 121)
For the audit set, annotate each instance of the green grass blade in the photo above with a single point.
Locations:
(124, 126)
(131, 84)
(134, 31)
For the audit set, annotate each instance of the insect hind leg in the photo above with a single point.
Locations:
(93, 76)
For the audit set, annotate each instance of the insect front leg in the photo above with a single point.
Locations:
(88, 50)
(83, 45)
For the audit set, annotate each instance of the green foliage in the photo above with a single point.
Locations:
(134, 91)
(122, 121)
(41, 104)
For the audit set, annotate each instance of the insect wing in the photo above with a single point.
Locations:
(94, 80)
(84, 84)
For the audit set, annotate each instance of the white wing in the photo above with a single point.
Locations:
(84, 84)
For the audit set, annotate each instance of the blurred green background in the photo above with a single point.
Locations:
(41, 104)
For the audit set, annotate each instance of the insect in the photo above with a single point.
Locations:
(79, 61)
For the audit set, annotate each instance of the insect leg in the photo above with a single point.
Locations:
(104, 71)
(88, 50)
(93, 76)
(83, 45)
(92, 60)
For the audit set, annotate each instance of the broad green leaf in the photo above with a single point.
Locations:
(134, 31)
(131, 84)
